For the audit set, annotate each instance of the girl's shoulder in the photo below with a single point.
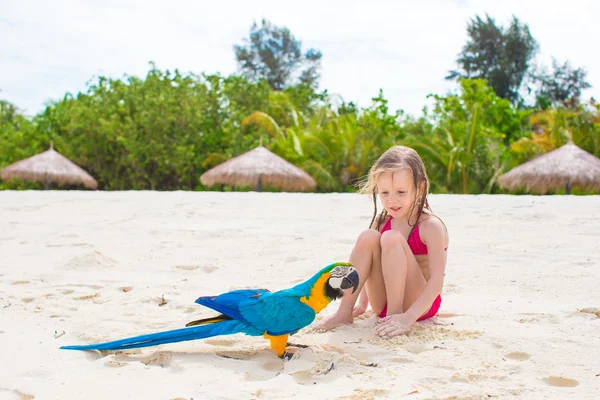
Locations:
(430, 221)
(431, 226)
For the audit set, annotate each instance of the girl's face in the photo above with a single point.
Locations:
(397, 192)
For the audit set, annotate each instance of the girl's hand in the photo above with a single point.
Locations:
(394, 325)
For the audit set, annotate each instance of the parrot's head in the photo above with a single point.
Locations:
(342, 276)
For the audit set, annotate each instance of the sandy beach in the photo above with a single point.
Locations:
(520, 316)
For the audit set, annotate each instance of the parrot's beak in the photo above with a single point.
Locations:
(351, 281)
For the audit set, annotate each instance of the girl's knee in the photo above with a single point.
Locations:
(369, 238)
(391, 240)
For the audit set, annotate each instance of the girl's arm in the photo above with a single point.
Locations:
(433, 234)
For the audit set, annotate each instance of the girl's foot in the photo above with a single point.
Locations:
(359, 310)
(335, 320)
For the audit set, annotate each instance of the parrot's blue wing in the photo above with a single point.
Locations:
(277, 313)
(229, 303)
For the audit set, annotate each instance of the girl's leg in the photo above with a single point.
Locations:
(362, 304)
(404, 281)
(375, 285)
(365, 252)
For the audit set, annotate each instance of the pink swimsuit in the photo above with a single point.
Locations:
(417, 247)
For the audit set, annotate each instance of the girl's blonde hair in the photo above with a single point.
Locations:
(395, 159)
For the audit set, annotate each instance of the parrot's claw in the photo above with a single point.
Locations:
(287, 356)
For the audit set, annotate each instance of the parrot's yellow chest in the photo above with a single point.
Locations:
(316, 298)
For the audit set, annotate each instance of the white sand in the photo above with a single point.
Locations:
(519, 318)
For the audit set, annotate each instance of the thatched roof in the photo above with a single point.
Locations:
(567, 165)
(49, 166)
(272, 170)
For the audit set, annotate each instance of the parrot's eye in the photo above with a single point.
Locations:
(342, 277)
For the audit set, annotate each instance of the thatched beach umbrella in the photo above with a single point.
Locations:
(565, 167)
(259, 168)
(47, 167)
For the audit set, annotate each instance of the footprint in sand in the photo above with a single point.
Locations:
(559, 381)
(236, 354)
(186, 267)
(451, 288)
(482, 372)
(309, 372)
(115, 364)
(161, 359)
(268, 370)
(221, 342)
(126, 289)
(304, 377)
(90, 260)
(360, 394)
(416, 347)
(205, 268)
(518, 356)
(79, 285)
(67, 244)
(591, 310)
(87, 297)
(537, 317)
(319, 364)
(401, 360)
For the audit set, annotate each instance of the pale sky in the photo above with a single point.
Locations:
(49, 48)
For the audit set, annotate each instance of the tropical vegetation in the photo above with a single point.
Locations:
(162, 131)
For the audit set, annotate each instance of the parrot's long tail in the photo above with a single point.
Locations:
(220, 326)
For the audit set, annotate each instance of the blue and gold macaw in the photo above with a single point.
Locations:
(255, 312)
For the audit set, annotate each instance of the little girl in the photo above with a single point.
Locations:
(401, 259)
